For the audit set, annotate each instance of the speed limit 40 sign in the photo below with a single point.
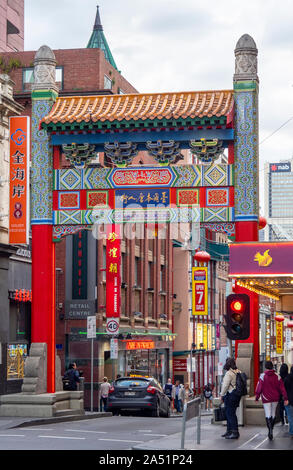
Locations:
(112, 326)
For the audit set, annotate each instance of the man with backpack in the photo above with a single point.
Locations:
(71, 377)
(233, 388)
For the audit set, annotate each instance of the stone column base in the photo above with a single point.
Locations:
(45, 405)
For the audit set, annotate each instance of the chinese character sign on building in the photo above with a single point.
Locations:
(279, 337)
(19, 180)
(199, 291)
(113, 275)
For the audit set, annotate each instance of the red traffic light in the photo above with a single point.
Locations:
(237, 305)
(237, 316)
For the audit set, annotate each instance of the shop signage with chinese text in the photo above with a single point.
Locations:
(19, 133)
(113, 275)
(279, 337)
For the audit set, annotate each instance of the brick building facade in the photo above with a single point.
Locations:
(11, 25)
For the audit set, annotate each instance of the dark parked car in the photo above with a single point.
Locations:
(138, 393)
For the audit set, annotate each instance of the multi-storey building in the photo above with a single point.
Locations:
(11, 25)
(278, 189)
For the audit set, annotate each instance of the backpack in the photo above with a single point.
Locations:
(67, 385)
(241, 384)
(208, 391)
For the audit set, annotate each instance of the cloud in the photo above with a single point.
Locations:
(166, 45)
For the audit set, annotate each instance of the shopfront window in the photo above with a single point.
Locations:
(16, 356)
(151, 363)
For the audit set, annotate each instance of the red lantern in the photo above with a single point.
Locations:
(279, 318)
(289, 324)
(262, 222)
(202, 257)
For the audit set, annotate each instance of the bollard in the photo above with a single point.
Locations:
(191, 410)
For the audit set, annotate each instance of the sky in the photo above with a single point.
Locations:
(186, 45)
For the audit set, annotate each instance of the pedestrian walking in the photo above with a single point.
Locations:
(71, 377)
(270, 387)
(283, 372)
(208, 394)
(188, 394)
(288, 382)
(178, 396)
(230, 398)
(104, 393)
(168, 387)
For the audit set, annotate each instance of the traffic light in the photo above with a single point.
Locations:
(237, 316)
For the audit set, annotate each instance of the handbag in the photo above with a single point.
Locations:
(220, 413)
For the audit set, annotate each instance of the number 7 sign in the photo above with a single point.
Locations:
(200, 291)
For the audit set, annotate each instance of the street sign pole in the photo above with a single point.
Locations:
(91, 334)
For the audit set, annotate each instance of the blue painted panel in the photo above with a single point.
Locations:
(183, 137)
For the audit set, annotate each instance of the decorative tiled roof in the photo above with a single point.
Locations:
(147, 106)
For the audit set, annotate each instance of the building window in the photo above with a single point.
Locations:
(136, 272)
(28, 78)
(107, 83)
(150, 275)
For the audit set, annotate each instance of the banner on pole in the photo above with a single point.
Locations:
(113, 275)
(19, 149)
(200, 291)
(279, 337)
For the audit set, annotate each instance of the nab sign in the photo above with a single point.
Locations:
(280, 167)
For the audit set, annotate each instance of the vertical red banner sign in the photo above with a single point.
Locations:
(200, 291)
(19, 180)
(113, 275)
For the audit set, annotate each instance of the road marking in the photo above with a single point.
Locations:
(82, 430)
(157, 435)
(12, 435)
(248, 441)
(261, 443)
(62, 437)
(145, 430)
(120, 440)
(38, 429)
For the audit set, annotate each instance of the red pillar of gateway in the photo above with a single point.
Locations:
(245, 232)
(43, 301)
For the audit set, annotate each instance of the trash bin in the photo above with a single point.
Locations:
(80, 385)
(240, 412)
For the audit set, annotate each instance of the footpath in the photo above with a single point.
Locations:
(251, 438)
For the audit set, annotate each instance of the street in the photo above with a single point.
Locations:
(119, 432)
(136, 433)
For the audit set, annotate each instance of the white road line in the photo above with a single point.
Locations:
(261, 443)
(12, 435)
(81, 430)
(62, 437)
(145, 430)
(120, 440)
(38, 429)
(157, 435)
(248, 441)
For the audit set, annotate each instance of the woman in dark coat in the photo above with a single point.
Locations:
(288, 382)
(283, 374)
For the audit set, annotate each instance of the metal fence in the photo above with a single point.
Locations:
(192, 409)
